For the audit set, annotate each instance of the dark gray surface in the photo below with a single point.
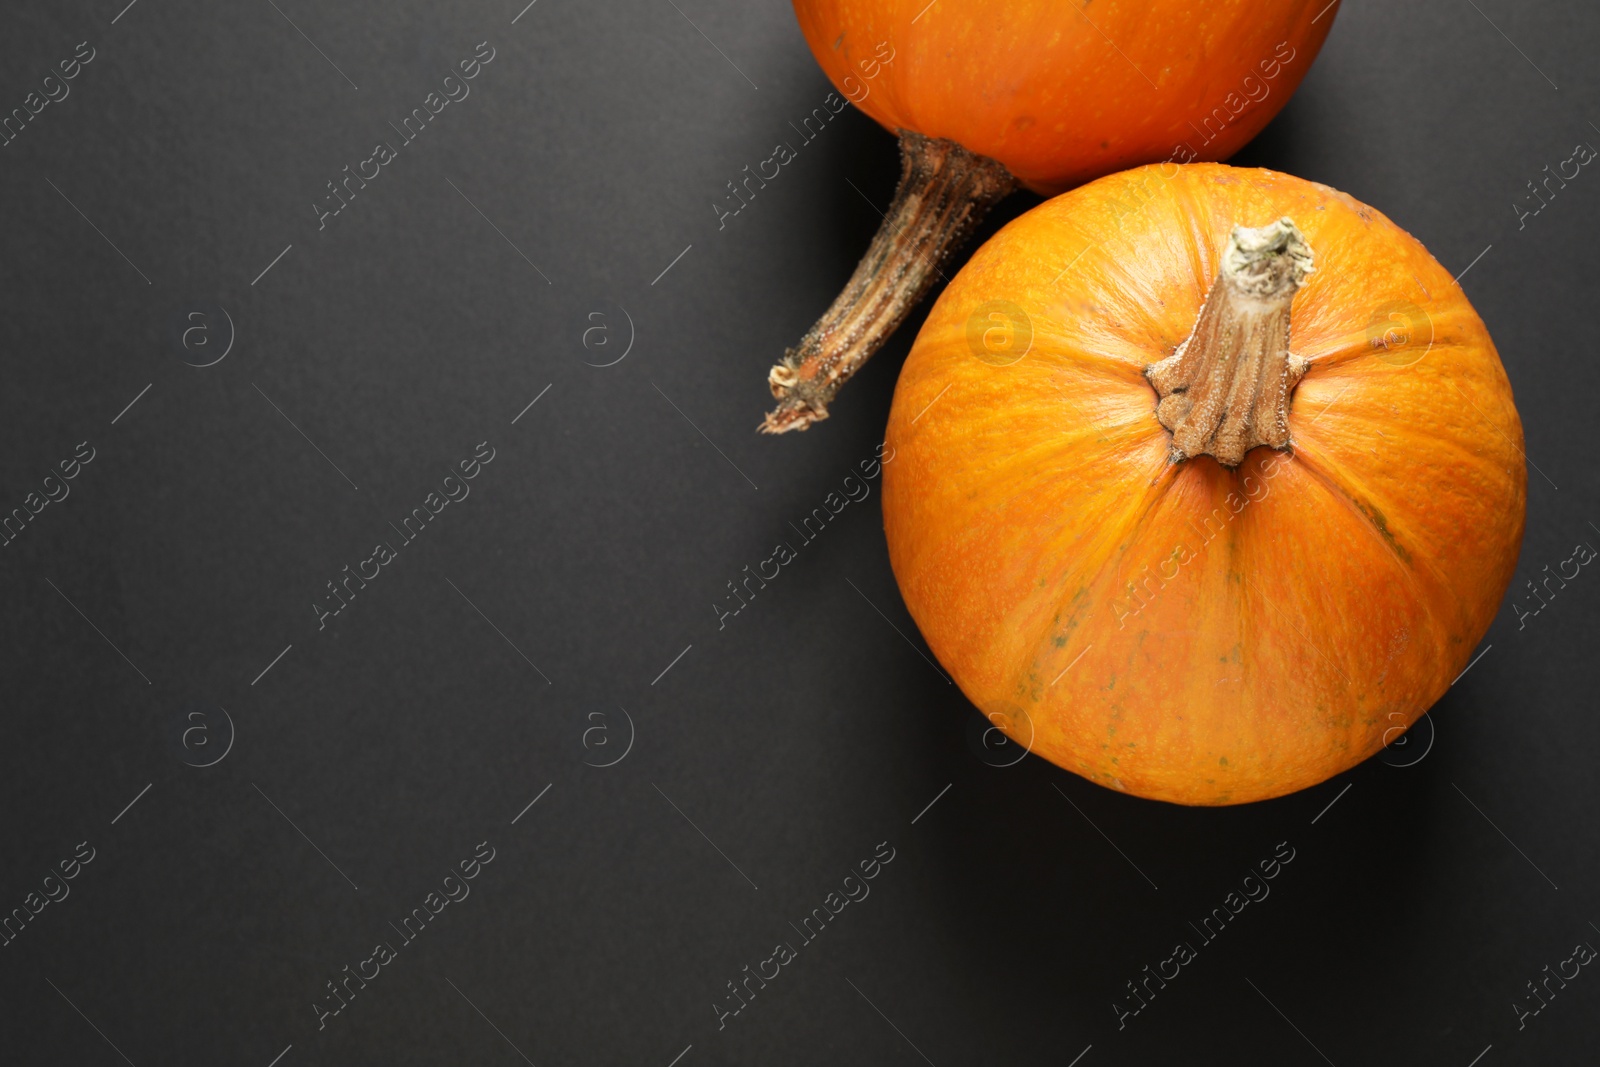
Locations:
(380, 751)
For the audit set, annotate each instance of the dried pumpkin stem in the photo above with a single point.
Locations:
(945, 191)
(1226, 389)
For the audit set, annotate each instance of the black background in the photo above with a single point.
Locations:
(379, 751)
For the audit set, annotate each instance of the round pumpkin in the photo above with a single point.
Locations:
(1204, 482)
(1061, 91)
(989, 94)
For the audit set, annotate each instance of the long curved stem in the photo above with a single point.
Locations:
(945, 191)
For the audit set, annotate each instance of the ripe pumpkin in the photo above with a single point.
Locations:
(986, 95)
(1206, 482)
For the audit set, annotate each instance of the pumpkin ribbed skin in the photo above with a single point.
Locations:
(1061, 91)
(1185, 631)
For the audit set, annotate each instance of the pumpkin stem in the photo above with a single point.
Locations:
(945, 191)
(1226, 389)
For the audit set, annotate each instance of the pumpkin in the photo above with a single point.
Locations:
(1205, 482)
(987, 95)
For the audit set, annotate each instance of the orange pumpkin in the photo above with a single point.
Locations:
(1205, 482)
(989, 94)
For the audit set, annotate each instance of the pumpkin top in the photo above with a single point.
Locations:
(1061, 91)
